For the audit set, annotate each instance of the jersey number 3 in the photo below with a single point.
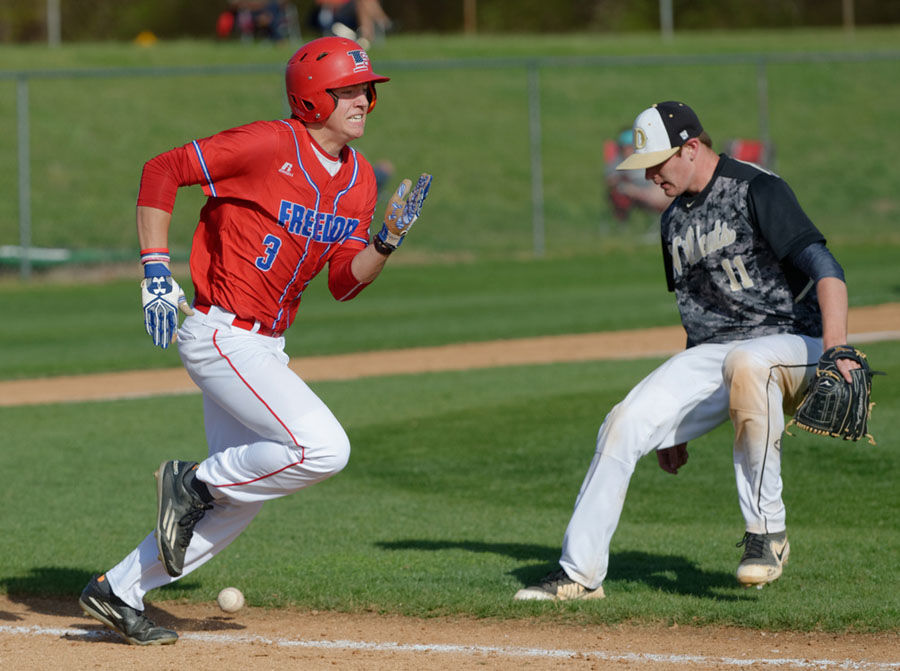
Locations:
(737, 273)
(272, 244)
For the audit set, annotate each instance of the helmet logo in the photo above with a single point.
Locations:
(360, 60)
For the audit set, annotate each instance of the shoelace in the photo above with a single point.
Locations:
(558, 577)
(139, 622)
(754, 545)
(189, 521)
(142, 624)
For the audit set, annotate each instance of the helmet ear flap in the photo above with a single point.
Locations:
(308, 105)
(306, 110)
(371, 96)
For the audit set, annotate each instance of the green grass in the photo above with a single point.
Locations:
(76, 328)
(467, 123)
(458, 494)
(85, 328)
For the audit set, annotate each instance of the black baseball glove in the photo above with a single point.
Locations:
(834, 407)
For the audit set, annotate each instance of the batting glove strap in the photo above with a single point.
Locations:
(382, 247)
(156, 270)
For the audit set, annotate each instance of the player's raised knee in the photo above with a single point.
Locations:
(743, 364)
(339, 454)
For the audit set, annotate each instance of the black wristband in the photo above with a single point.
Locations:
(382, 247)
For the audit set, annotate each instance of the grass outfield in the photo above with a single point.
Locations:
(457, 494)
(74, 327)
(467, 122)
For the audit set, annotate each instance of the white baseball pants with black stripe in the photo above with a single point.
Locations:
(268, 435)
(751, 381)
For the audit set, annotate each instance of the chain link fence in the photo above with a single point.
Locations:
(514, 144)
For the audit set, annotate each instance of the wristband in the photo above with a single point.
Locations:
(155, 261)
(155, 255)
(382, 247)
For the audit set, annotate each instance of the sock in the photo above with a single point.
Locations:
(197, 486)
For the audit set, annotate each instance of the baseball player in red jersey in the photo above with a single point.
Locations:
(285, 199)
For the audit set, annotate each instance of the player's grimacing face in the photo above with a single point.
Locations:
(348, 121)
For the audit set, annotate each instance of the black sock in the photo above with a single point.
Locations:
(197, 486)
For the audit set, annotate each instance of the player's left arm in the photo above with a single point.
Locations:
(818, 263)
(348, 275)
(791, 233)
(833, 303)
(368, 264)
(401, 212)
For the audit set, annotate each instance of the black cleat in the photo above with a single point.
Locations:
(179, 509)
(98, 601)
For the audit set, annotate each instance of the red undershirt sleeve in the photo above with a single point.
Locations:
(161, 177)
(341, 281)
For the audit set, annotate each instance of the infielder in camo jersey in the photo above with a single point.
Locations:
(285, 199)
(759, 296)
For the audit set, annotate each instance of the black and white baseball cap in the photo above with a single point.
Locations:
(659, 132)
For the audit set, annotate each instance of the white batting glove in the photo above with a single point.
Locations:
(402, 211)
(162, 298)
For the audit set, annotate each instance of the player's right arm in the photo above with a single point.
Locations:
(153, 227)
(161, 296)
(672, 458)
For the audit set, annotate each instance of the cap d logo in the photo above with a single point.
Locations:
(360, 60)
(640, 139)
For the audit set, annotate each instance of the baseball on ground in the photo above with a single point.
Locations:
(230, 599)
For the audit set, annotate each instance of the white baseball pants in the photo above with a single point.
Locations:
(268, 435)
(751, 381)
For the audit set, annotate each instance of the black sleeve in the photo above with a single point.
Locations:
(667, 258)
(817, 262)
(783, 223)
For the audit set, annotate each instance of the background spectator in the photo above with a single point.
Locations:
(362, 20)
(250, 20)
(629, 189)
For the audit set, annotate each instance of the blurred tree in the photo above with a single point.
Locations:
(97, 20)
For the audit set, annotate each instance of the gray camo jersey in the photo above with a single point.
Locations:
(727, 255)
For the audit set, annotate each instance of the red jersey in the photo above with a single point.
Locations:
(273, 218)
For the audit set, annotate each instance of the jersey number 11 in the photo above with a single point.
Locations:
(735, 269)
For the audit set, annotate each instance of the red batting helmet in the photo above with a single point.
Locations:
(321, 65)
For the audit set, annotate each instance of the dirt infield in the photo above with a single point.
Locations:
(42, 634)
(880, 322)
(46, 633)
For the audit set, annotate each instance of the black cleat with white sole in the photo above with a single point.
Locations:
(98, 601)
